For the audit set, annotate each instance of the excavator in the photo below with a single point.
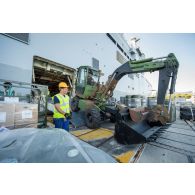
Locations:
(91, 98)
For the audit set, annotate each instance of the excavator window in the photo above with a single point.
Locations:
(93, 77)
(82, 76)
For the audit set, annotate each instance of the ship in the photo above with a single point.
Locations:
(49, 58)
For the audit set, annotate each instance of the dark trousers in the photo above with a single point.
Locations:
(61, 123)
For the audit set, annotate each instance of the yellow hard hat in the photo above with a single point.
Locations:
(62, 85)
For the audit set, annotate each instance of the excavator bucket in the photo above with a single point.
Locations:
(132, 127)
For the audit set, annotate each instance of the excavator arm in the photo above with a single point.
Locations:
(128, 131)
(167, 67)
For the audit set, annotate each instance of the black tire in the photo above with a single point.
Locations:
(93, 118)
(75, 104)
(112, 119)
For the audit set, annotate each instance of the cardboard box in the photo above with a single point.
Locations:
(26, 115)
(7, 115)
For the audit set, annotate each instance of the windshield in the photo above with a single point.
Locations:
(92, 77)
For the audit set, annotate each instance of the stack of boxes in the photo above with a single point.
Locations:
(7, 115)
(18, 115)
(26, 115)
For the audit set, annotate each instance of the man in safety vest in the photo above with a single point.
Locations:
(61, 115)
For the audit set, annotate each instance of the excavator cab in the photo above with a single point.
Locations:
(87, 82)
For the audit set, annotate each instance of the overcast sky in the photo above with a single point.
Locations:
(183, 45)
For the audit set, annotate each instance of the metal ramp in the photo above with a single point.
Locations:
(175, 143)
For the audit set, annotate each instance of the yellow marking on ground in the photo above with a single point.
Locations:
(125, 157)
(89, 135)
(80, 132)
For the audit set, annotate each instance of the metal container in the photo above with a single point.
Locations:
(143, 101)
(128, 100)
(152, 101)
(135, 101)
(122, 100)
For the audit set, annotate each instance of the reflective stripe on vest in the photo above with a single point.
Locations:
(64, 105)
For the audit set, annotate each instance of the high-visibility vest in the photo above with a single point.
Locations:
(64, 105)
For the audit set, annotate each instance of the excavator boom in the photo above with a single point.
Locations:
(167, 67)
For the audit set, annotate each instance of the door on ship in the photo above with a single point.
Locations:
(50, 73)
